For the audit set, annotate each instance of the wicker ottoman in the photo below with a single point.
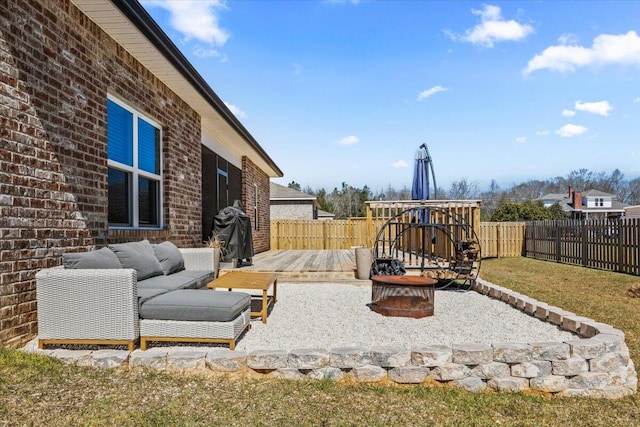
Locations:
(195, 315)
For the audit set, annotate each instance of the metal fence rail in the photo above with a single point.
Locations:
(604, 244)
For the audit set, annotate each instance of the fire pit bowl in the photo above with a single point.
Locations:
(403, 296)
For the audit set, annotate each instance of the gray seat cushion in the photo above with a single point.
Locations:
(102, 258)
(170, 283)
(139, 256)
(201, 277)
(196, 305)
(146, 294)
(169, 256)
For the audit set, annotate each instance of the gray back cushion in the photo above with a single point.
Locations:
(139, 256)
(102, 258)
(169, 256)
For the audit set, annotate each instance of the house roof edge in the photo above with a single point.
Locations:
(134, 11)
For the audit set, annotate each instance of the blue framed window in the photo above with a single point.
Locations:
(135, 171)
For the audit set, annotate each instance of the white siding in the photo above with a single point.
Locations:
(598, 202)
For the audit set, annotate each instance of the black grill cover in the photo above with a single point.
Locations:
(233, 227)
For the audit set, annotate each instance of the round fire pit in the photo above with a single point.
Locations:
(403, 296)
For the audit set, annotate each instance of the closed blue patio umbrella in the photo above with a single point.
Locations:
(420, 191)
(420, 187)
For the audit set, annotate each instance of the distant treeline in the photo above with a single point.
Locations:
(348, 201)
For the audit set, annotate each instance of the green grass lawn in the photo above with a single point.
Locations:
(36, 390)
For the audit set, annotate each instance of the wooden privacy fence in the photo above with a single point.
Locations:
(605, 244)
(289, 234)
(497, 239)
(501, 239)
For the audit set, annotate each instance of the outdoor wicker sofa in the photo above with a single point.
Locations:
(137, 291)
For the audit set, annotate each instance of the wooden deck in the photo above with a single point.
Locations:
(303, 265)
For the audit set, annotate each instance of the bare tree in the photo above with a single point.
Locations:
(349, 201)
(463, 189)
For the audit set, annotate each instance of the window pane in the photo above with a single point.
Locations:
(119, 190)
(148, 147)
(119, 134)
(148, 202)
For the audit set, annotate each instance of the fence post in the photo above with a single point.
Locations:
(585, 245)
(370, 237)
(558, 231)
(619, 236)
(324, 235)
(275, 233)
(530, 241)
(499, 242)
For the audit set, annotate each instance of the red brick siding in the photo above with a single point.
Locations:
(56, 69)
(252, 175)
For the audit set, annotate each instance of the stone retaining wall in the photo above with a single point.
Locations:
(595, 364)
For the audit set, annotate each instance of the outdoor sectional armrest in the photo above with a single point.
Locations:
(198, 258)
(87, 304)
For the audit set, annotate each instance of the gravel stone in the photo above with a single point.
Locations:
(326, 315)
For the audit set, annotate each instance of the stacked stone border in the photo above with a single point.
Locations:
(596, 364)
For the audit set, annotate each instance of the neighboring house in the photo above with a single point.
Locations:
(325, 215)
(590, 204)
(632, 211)
(288, 203)
(108, 135)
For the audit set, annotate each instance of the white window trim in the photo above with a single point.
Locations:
(136, 173)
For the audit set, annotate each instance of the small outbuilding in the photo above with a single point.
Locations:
(289, 203)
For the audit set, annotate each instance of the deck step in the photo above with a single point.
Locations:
(304, 276)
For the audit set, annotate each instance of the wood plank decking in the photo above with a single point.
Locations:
(303, 265)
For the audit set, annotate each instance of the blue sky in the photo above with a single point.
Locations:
(346, 91)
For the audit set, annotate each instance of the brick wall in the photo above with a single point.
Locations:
(252, 177)
(56, 69)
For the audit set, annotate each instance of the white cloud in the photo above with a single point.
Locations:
(568, 39)
(521, 139)
(637, 99)
(202, 52)
(236, 111)
(429, 92)
(195, 19)
(348, 140)
(543, 132)
(606, 49)
(400, 164)
(601, 108)
(569, 130)
(493, 28)
(568, 113)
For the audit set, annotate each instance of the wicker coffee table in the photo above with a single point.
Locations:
(253, 281)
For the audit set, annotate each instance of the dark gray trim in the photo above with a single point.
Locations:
(145, 23)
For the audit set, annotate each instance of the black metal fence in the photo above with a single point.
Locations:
(604, 244)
